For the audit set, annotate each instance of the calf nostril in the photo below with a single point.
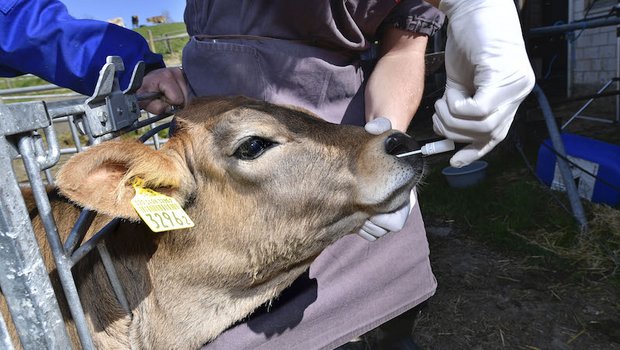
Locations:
(398, 143)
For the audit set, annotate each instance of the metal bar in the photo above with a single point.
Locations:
(49, 177)
(148, 121)
(178, 36)
(63, 263)
(58, 109)
(75, 135)
(153, 132)
(22, 90)
(23, 276)
(113, 277)
(556, 140)
(586, 105)
(79, 230)
(595, 119)
(155, 138)
(48, 158)
(92, 243)
(5, 338)
(563, 28)
(39, 97)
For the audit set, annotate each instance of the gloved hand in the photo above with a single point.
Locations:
(378, 225)
(488, 75)
(378, 126)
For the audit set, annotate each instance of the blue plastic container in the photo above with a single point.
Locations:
(597, 157)
(466, 176)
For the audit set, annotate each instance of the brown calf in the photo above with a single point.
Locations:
(268, 188)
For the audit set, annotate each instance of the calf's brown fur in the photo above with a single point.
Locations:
(261, 217)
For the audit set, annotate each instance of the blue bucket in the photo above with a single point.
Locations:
(466, 176)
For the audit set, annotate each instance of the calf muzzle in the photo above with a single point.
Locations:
(398, 143)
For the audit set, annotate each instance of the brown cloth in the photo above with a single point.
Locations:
(307, 53)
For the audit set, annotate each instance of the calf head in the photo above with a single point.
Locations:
(268, 187)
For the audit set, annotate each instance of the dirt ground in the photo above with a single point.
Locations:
(492, 300)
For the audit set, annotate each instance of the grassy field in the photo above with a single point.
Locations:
(170, 49)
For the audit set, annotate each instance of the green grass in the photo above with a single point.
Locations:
(514, 213)
(172, 48)
(18, 82)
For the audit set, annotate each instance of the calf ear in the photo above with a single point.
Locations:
(100, 178)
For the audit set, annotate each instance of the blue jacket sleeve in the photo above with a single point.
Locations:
(41, 38)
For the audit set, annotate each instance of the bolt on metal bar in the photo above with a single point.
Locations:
(63, 263)
(23, 277)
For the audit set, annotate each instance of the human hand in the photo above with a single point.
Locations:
(379, 225)
(488, 75)
(171, 83)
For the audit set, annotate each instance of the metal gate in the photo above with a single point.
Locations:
(27, 132)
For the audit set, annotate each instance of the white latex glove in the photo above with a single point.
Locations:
(378, 225)
(378, 126)
(488, 75)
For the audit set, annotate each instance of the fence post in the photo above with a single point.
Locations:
(23, 276)
(151, 41)
(168, 43)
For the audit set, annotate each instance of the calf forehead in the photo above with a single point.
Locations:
(239, 117)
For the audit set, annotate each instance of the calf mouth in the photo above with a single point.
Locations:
(400, 175)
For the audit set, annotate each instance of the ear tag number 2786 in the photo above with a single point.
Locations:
(158, 211)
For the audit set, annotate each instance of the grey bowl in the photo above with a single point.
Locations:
(466, 176)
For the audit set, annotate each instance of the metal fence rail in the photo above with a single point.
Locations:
(26, 286)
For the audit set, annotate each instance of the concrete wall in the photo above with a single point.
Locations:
(593, 56)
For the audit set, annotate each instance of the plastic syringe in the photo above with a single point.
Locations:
(431, 148)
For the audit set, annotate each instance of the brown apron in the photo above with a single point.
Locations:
(354, 285)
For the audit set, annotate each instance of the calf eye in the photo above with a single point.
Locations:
(252, 148)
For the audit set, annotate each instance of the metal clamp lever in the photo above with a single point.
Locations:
(109, 109)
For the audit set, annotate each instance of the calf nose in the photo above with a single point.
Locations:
(398, 143)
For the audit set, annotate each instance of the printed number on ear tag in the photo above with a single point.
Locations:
(158, 211)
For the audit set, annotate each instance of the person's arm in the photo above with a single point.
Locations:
(41, 38)
(395, 87)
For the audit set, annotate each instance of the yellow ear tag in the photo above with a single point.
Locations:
(158, 211)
